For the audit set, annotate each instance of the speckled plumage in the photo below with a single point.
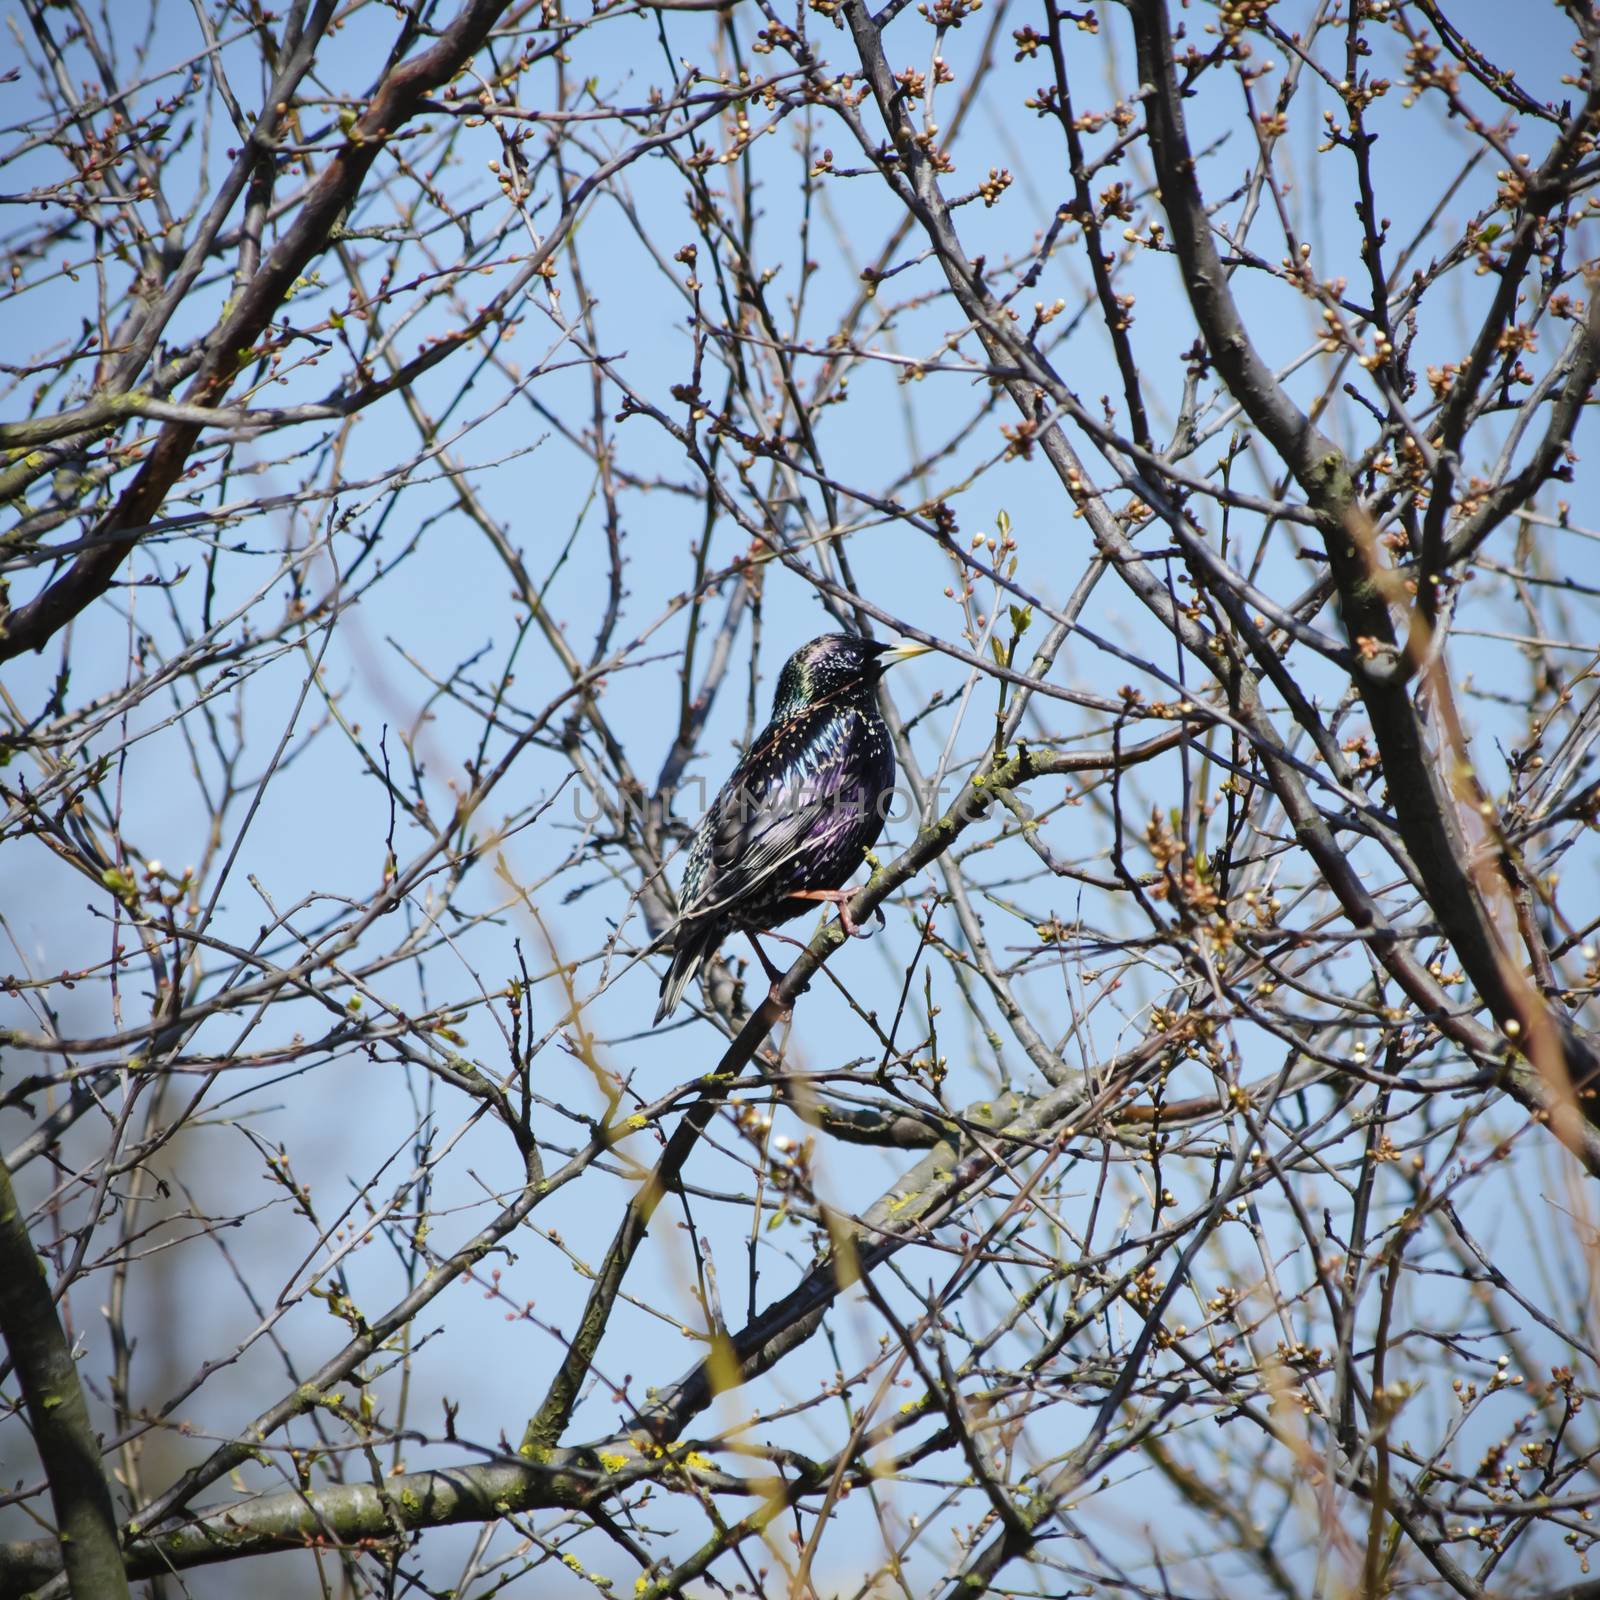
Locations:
(800, 809)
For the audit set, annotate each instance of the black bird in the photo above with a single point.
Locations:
(793, 821)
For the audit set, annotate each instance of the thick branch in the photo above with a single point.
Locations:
(66, 1442)
(337, 1516)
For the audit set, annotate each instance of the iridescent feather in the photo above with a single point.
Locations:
(808, 799)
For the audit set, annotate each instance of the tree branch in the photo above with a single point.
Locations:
(1420, 777)
(31, 626)
(67, 1446)
(335, 1517)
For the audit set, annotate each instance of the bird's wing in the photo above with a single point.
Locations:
(801, 778)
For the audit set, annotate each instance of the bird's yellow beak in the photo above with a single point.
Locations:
(906, 650)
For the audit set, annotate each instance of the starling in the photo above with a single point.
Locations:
(793, 821)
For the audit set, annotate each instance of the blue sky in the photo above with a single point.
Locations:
(322, 826)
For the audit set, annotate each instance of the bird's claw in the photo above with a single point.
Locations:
(842, 899)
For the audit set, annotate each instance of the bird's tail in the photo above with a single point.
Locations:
(690, 948)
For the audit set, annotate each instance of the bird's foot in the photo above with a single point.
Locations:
(836, 897)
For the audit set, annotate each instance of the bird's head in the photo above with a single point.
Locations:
(839, 667)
